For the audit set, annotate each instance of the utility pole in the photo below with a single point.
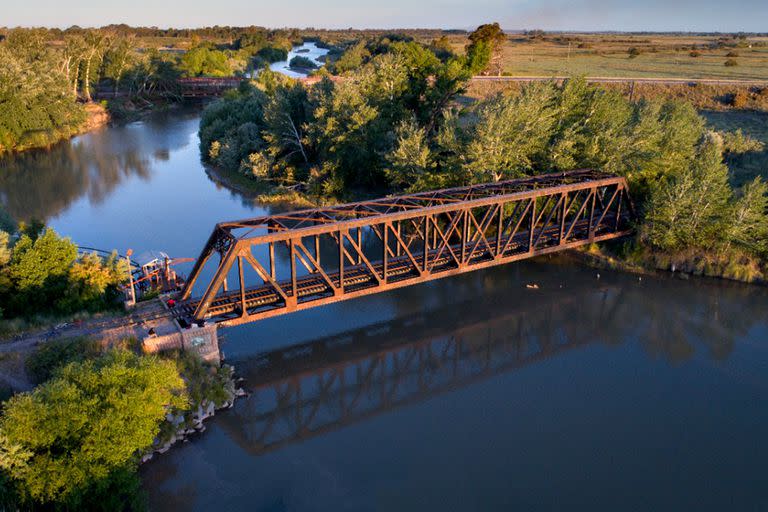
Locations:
(128, 254)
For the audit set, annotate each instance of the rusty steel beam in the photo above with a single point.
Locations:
(378, 245)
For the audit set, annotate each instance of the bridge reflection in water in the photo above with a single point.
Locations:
(310, 389)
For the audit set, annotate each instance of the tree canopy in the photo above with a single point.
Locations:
(41, 272)
(92, 419)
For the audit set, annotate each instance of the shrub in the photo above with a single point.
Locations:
(695, 54)
(633, 52)
(731, 63)
(302, 62)
(44, 362)
(739, 99)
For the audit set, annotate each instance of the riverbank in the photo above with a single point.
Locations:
(94, 115)
(740, 268)
(259, 192)
(211, 389)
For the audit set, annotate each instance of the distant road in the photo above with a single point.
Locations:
(626, 80)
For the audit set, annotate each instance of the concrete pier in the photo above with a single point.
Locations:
(166, 334)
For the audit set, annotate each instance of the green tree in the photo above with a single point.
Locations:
(348, 131)
(5, 249)
(94, 281)
(510, 133)
(748, 226)
(484, 49)
(93, 419)
(96, 43)
(353, 58)
(36, 262)
(690, 208)
(286, 116)
(410, 162)
(118, 58)
(203, 61)
(302, 62)
(36, 105)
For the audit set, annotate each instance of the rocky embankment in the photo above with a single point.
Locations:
(179, 427)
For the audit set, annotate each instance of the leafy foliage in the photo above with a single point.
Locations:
(334, 136)
(36, 104)
(302, 62)
(41, 272)
(88, 422)
(484, 49)
(204, 61)
(52, 356)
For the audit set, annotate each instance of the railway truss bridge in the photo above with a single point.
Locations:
(293, 261)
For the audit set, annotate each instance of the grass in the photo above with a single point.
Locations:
(606, 55)
(746, 167)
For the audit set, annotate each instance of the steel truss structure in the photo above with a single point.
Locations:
(313, 257)
(305, 391)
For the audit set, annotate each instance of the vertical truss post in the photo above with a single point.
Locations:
(340, 238)
(464, 237)
(592, 215)
(243, 306)
(427, 220)
(385, 245)
(532, 228)
(293, 299)
(563, 212)
(499, 230)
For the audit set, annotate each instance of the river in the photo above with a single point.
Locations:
(309, 50)
(599, 390)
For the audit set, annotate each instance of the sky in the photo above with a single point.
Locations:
(585, 15)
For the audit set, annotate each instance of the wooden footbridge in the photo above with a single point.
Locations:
(294, 261)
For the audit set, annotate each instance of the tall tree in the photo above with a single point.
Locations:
(96, 44)
(484, 51)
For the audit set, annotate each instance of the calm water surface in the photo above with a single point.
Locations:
(308, 50)
(470, 393)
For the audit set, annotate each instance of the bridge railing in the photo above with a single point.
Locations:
(308, 258)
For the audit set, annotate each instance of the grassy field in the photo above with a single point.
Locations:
(608, 56)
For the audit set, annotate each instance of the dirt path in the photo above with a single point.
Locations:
(108, 328)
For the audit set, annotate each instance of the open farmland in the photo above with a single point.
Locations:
(659, 56)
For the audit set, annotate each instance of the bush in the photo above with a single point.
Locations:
(302, 62)
(44, 362)
(695, 54)
(271, 54)
(633, 52)
(731, 63)
(739, 99)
